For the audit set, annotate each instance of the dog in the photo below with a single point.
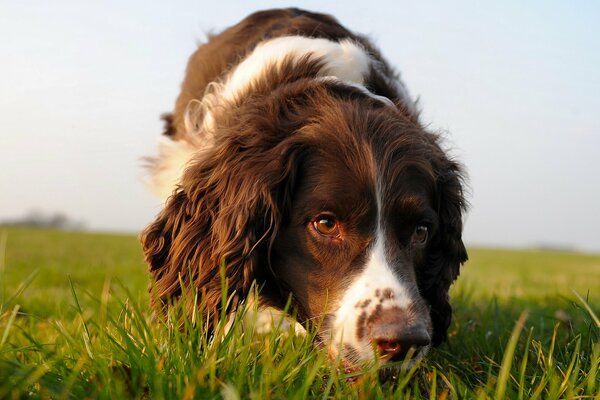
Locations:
(295, 159)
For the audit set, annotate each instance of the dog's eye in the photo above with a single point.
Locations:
(420, 235)
(326, 226)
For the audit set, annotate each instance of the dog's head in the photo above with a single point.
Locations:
(328, 195)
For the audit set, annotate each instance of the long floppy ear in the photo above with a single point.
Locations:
(446, 252)
(229, 205)
(225, 211)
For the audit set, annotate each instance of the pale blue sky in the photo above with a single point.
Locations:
(515, 84)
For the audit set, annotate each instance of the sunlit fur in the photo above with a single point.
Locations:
(281, 118)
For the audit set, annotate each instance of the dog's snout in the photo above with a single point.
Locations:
(394, 336)
(398, 346)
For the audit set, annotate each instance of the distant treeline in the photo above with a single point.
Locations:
(40, 219)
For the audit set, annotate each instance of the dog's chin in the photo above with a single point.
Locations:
(389, 371)
(393, 368)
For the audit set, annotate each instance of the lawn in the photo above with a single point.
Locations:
(74, 323)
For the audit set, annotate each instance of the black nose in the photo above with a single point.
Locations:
(394, 337)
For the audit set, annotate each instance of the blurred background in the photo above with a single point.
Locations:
(514, 86)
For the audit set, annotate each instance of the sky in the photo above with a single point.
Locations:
(513, 86)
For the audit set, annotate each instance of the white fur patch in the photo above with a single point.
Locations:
(269, 318)
(264, 320)
(345, 60)
(376, 277)
(168, 167)
(366, 293)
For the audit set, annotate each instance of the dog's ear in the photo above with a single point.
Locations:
(230, 202)
(207, 223)
(225, 212)
(446, 252)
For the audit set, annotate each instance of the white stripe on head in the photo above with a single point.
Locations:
(377, 286)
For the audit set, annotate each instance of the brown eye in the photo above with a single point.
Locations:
(420, 236)
(326, 226)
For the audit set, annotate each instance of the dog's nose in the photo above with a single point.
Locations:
(393, 337)
(397, 347)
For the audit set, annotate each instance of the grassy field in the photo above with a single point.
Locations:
(74, 323)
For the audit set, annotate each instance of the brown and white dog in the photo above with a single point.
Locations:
(295, 157)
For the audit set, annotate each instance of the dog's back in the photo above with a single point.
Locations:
(213, 60)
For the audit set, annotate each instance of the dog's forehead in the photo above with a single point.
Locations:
(348, 166)
(408, 185)
(331, 177)
(404, 164)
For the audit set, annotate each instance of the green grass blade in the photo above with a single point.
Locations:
(22, 287)
(86, 335)
(523, 369)
(8, 326)
(3, 239)
(509, 354)
(588, 309)
(593, 384)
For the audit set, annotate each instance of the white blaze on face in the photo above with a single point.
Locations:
(363, 296)
(377, 286)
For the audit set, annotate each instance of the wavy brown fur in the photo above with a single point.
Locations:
(237, 199)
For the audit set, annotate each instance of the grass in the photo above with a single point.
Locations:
(74, 323)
